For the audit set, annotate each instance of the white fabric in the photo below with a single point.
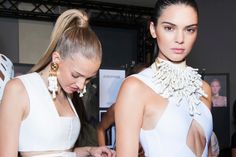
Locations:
(44, 129)
(169, 137)
(6, 68)
(63, 154)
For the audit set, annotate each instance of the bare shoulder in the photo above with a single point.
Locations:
(14, 86)
(207, 90)
(129, 106)
(15, 97)
(131, 89)
(132, 83)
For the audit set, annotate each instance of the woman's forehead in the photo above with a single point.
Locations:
(82, 65)
(177, 12)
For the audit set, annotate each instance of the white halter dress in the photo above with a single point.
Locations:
(183, 89)
(44, 130)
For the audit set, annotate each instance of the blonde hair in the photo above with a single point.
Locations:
(71, 34)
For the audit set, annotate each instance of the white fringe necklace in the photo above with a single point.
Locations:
(179, 83)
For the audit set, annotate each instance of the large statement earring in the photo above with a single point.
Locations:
(81, 93)
(52, 79)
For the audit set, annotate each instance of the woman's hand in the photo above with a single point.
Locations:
(95, 152)
(101, 152)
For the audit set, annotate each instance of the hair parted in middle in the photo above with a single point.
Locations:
(162, 4)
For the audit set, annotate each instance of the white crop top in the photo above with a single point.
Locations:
(169, 137)
(44, 129)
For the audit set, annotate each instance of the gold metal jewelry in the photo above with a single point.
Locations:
(52, 79)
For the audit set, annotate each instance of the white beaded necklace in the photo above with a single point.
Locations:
(178, 82)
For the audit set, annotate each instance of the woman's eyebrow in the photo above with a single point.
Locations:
(172, 24)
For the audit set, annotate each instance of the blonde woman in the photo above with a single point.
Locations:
(37, 116)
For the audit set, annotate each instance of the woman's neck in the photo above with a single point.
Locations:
(181, 64)
(45, 74)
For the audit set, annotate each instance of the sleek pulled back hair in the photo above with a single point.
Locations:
(162, 4)
(71, 34)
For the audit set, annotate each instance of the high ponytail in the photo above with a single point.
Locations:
(71, 34)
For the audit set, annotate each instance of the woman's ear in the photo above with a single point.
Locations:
(56, 57)
(152, 30)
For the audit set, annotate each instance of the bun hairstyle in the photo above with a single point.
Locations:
(71, 34)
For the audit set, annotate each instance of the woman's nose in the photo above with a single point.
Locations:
(81, 83)
(179, 37)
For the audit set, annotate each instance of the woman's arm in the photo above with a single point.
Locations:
(129, 110)
(208, 102)
(106, 122)
(207, 90)
(12, 110)
(233, 151)
(209, 150)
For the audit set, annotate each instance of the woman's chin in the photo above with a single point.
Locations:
(69, 90)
